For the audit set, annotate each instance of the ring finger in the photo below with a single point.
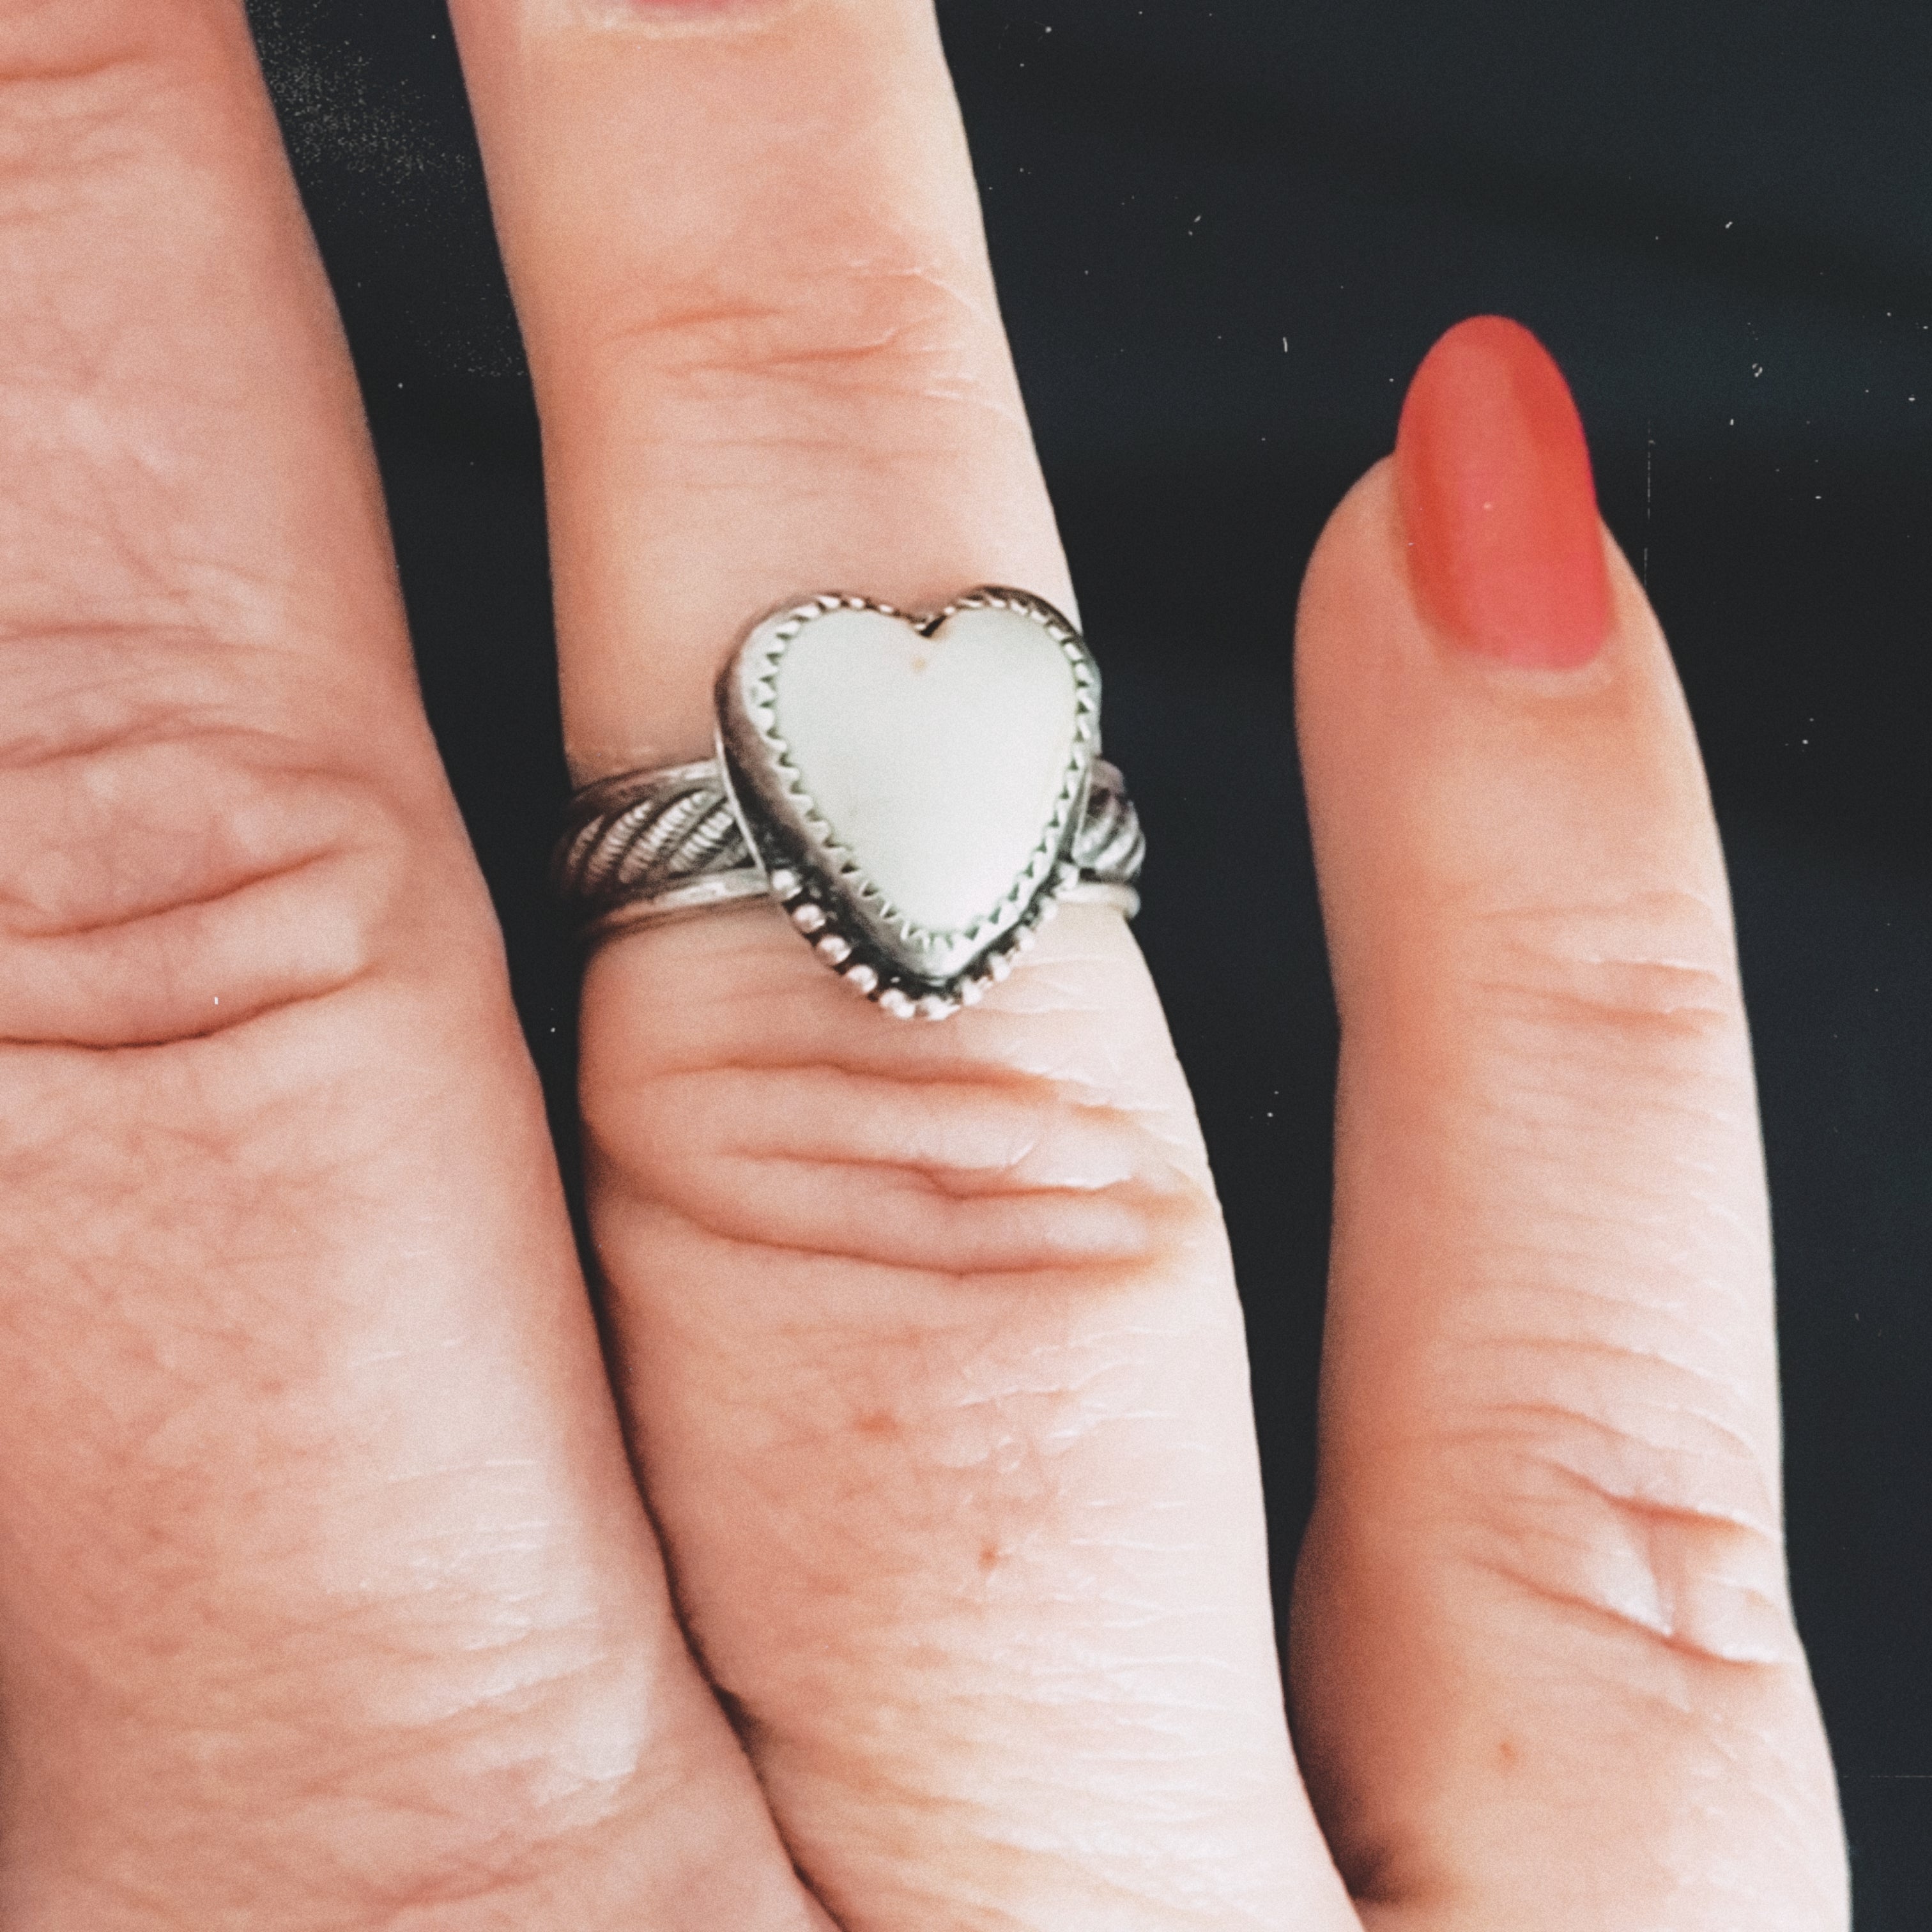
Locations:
(960, 1496)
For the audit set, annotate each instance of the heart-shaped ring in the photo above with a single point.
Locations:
(912, 785)
(917, 793)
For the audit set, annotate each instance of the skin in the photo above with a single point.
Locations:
(340, 1585)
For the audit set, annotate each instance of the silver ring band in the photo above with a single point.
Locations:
(643, 847)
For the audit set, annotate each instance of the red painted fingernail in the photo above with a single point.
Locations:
(1492, 475)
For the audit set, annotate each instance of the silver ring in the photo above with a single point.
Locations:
(835, 733)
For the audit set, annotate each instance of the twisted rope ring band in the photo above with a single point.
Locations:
(643, 847)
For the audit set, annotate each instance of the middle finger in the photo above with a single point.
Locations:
(324, 1595)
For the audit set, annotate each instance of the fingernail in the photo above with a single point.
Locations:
(1492, 476)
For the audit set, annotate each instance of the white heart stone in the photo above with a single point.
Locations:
(937, 760)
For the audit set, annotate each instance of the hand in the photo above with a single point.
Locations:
(328, 1596)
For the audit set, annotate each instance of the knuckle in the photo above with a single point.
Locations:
(780, 1111)
(1653, 972)
(464, 1801)
(66, 54)
(1668, 1528)
(950, 1221)
(175, 869)
(977, 1176)
(87, 89)
(893, 325)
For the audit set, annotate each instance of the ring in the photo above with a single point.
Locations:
(918, 792)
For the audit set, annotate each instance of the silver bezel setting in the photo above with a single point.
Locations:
(910, 970)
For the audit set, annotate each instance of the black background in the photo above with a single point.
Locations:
(1224, 235)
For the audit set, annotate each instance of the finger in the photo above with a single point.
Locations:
(1545, 1668)
(935, 1362)
(754, 290)
(325, 1598)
